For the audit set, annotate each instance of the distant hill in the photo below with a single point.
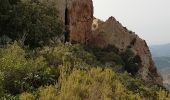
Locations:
(161, 57)
(162, 62)
(160, 50)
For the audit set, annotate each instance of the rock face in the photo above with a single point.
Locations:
(78, 17)
(113, 33)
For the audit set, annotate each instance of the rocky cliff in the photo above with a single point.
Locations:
(113, 33)
(78, 17)
(81, 27)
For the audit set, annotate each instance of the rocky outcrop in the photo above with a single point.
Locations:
(113, 33)
(78, 17)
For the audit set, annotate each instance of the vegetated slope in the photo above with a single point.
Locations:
(36, 64)
(69, 72)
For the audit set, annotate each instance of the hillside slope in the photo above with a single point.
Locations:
(56, 50)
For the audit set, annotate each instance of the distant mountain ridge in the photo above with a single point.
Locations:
(160, 50)
(161, 57)
(162, 62)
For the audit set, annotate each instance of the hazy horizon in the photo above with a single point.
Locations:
(149, 19)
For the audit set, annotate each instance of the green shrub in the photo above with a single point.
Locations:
(33, 23)
(137, 85)
(97, 83)
(132, 61)
(162, 95)
(21, 73)
(48, 93)
(68, 53)
(26, 96)
(132, 67)
(43, 93)
(107, 56)
(1, 84)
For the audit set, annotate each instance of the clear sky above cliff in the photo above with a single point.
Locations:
(150, 19)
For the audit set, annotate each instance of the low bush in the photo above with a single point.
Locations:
(97, 83)
(68, 53)
(106, 56)
(20, 73)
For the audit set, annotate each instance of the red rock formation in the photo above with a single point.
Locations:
(113, 33)
(79, 19)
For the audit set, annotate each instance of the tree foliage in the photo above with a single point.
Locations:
(33, 23)
(20, 73)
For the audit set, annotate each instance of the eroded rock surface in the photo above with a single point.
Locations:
(113, 33)
(78, 17)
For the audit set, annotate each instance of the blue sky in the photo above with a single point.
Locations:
(150, 19)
